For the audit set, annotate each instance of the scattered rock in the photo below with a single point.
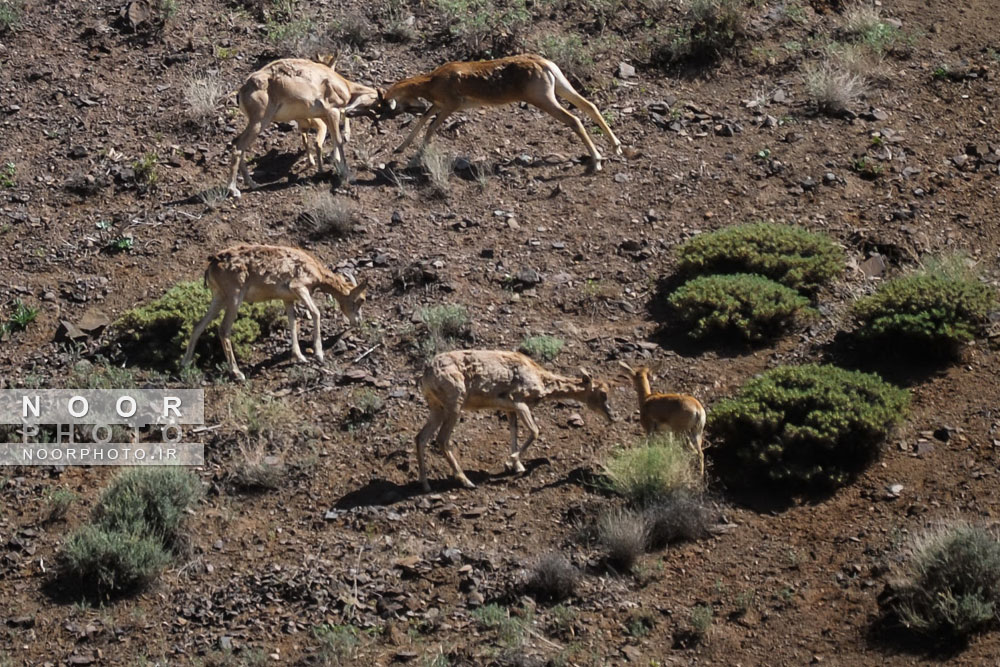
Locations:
(625, 71)
(893, 490)
(873, 267)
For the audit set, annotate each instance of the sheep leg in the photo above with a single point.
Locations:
(550, 105)
(567, 92)
(432, 424)
(525, 413)
(293, 328)
(240, 147)
(443, 437)
(213, 310)
(318, 332)
(224, 331)
(416, 128)
(511, 462)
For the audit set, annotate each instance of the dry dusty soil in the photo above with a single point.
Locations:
(534, 245)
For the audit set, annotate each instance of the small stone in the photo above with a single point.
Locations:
(397, 218)
(943, 433)
(625, 71)
(575, 420)
(622, 177)
(960, 160)
(894, 490)
(225, 643)
(779, 96)
(873, 267)
(829, 178)
(807, 183)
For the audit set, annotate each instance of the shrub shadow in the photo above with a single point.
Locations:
(889, 635)
(901, 363)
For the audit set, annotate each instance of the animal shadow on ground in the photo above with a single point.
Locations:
(382, 493)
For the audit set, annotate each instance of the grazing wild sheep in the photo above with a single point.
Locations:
(294, 89)
(254, 273)
(680, 414)
(454, 382)
(465, 85)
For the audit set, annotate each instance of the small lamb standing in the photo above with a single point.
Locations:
(463, 380)
(680, 414)
(255, 273)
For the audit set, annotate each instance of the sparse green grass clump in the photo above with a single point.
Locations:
(832, 88)
(8, 175)
(20, 317)
(545, 348)
(158, 332)
(136, 527)
(949, 583)
(750, 307)
(58, 501)
(574, 58)
(10, 15)
(936, 309)
(145, 168)
(337, 643)
(808, 428)
(790, 255)
(446, 324)
(647, 473)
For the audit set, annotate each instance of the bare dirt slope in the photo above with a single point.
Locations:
(347, 539)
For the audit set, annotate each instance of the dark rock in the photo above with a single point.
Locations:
(526, 278)
(943, 433)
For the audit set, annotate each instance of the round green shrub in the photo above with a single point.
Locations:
(936, 309)
(741, 305)
(111, 561)
(949, 583)
(811, 427)
(159, 331)
(793, 256)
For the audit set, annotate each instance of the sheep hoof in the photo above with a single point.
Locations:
(234, 192)
(466, 482)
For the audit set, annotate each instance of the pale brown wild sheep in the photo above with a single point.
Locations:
(680, 414)
(294, 89)
(465, 85)
(464, 380)
(254, 273)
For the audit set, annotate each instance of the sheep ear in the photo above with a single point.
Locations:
(360, 287)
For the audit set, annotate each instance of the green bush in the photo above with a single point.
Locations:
(545, 348)
(112, 561)
(159, 331)
(811, 427)
(949, 584)
(10, 15)
(751, 307)
(792, 256)
(653, 471)
(488, 29)
(148, 501)
(937, 308)
(135, 527)
(446, 324)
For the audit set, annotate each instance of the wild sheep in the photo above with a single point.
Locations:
(294, 89)
(255, 273)
(680, 414)
(464, 85)
(463, 380)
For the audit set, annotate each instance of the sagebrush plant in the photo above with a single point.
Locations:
(651, 471)
(336, 642)
(831, 88)
(485, 28)
(741, 305)
(623, 535)
(135, 530)
(808, 428)
(545, 348)
(680, 516)
(711, 29)
(353, 29)
(327, 215)
(863, 23)
(937, 308)
(58, 501)
(569, 52)
(790, 255)
(446, 323)
(257, 470)
(439, 166)
(148, 501)
(948, 585)
(158, 332)
(553, 578)
(202, 96)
